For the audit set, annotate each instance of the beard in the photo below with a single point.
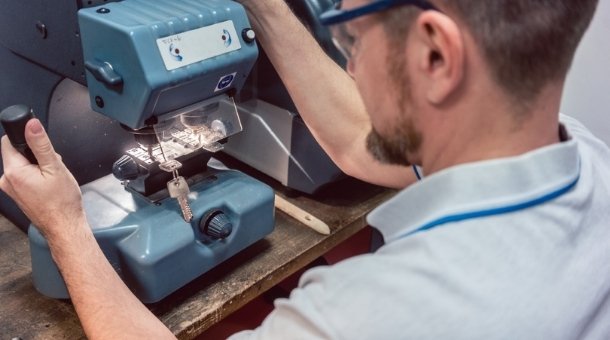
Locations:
(396, 146)
(403, 140)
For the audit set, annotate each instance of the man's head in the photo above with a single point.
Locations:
(437, 73)
(526, 43)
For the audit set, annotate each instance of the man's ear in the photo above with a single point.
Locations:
(441, 55)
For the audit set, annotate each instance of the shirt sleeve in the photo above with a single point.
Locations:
(295, 318)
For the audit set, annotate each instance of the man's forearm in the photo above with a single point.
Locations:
(301, 63)
(106, 307)
(324, 94)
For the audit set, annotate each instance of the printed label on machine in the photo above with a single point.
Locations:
(190, 47)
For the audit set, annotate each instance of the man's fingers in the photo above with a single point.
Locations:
(39, 142)
(11, 158)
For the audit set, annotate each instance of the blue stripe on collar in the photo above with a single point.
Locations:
(479, 189)
(490, 212)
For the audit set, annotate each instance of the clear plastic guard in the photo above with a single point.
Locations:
(201, 125)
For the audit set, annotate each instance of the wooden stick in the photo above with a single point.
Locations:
(301, 215)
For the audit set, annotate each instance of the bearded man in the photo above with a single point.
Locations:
(502, 239)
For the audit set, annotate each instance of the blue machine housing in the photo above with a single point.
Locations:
(149, 244)
(147, 241)
(126, 75)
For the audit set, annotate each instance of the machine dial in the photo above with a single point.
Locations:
(216, 226)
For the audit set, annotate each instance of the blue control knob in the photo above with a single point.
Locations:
(217, 226)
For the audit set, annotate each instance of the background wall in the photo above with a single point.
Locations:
(587, 92)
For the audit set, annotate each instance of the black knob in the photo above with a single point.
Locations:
(125, 168)
(217, 225)
(13, 121)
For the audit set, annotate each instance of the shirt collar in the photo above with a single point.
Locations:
(478, 186)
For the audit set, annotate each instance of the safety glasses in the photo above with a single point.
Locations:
(337, 17)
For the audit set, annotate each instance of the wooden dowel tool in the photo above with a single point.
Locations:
(301, 215)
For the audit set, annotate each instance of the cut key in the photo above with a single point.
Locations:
(179, 189)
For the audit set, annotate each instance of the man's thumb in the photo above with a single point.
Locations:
(39, 142)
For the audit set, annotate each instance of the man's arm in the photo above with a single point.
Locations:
(324, 94)
(49, 195)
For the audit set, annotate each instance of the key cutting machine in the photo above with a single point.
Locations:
(167, 71)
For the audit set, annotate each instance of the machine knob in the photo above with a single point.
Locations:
(217, 226)
(13, 121)
(104, 73)
(248, 34)
(125, 168)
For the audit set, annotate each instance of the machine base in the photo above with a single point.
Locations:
(150, 245)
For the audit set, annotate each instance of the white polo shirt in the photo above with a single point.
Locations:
(514, 248)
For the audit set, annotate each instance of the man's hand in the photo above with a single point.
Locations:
(47, 193)
(263, 3)
(258, 8)
(50, 196)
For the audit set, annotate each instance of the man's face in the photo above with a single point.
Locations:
(379, 71)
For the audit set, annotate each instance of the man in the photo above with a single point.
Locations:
(504, 238)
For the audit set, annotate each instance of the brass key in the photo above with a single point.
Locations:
(179, 189)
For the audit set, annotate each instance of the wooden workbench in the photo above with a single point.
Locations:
(26, 314)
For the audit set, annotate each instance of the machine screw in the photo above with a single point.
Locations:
(42, 29)
(99, 101)
(103, 10)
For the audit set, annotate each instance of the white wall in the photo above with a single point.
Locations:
(587, 92)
